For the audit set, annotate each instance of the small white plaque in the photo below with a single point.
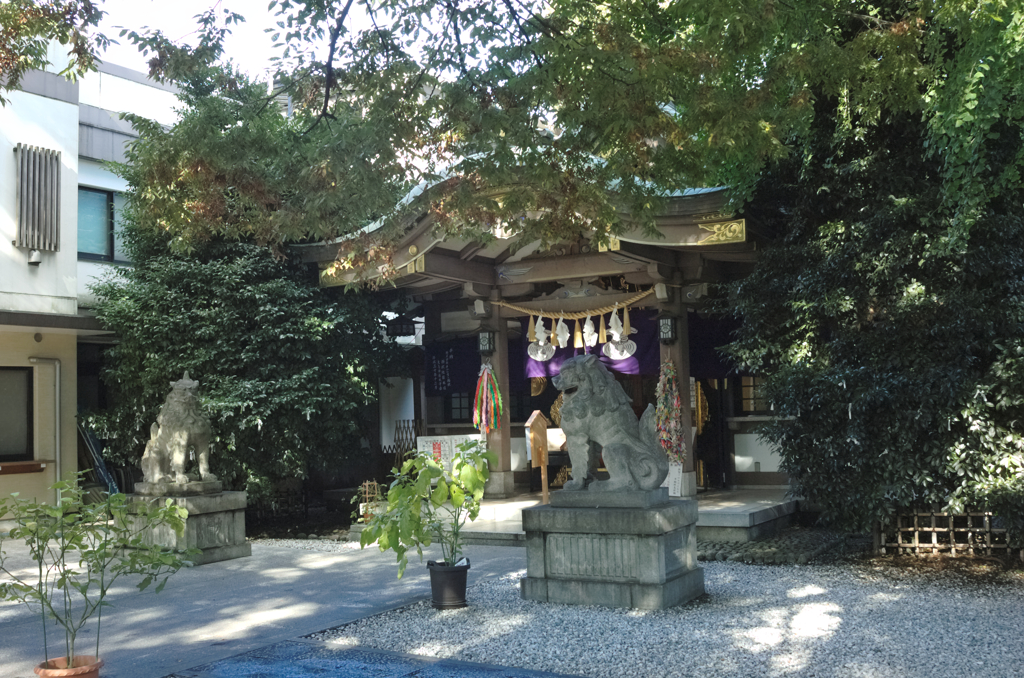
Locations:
(674, 480)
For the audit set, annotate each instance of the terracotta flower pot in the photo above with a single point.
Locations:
(83, 666)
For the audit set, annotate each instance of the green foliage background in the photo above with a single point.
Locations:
(892, 347)
(883, 141)
(285, 367)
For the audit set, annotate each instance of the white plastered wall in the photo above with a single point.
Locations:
(50, 287)
(753, 454)
(397, 401)
(113, 93)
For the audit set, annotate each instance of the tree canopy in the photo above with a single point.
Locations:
(882, 140)
(563, 117)
(28, 26)
(567, 117)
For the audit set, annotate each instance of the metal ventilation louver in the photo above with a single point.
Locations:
(38, 198)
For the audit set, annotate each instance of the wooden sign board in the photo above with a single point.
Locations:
(537, 444)
(439, 447)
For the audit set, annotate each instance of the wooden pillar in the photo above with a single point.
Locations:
(679, 353)
(501, 483)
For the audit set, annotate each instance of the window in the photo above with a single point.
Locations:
(99, 225)
(752, 400)
(458, 408)
(16, 414)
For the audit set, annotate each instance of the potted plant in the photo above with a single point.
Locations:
(80, 550)
(429, 502)
(368, 500)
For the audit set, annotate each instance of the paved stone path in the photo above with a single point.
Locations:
(313, 659)
(218, 611)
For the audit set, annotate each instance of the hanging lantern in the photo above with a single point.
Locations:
(668, 331)
(485, 342)
(400, 326)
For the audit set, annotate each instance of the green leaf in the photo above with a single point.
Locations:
(440, 494)
(458, 496)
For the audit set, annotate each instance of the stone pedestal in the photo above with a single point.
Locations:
(215, 525)
(171, 489)
(618, 549)
(500, 485)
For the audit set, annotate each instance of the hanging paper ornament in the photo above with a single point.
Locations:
(487, 406)
(589, 335)
(615, 326)
(667, 414)
(562, 334)
(531, 333)
(577, 336)
(602, 335)
(540, 349)
(540, 352)
(619, 350)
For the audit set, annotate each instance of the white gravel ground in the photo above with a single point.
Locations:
(318, 545)
(844, 620)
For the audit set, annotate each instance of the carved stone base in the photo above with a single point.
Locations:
(591, 499)
(614, 555)
(215, 525)
(173, 489)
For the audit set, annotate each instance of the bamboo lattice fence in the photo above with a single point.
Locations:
(938, 533)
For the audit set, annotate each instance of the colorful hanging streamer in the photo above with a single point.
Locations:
(487, 407)
(668, 414)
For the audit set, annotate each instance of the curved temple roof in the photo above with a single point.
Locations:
(702, 242)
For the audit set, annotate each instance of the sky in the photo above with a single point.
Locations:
(248, 45)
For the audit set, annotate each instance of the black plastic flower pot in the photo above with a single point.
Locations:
(447, 584)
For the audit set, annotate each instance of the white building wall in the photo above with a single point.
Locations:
(754, 455)
(397, 401)
(113, 93)
(50, 287)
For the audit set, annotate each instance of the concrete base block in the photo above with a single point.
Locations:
(682, 589)
(172, 489)
(689, 485)
(500, 485)
(747, 521)
(642, 558)
(215, 525)
(591, 499)
(761, 530)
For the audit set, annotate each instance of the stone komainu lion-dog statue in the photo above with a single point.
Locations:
(598, 421)
(179, 427)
